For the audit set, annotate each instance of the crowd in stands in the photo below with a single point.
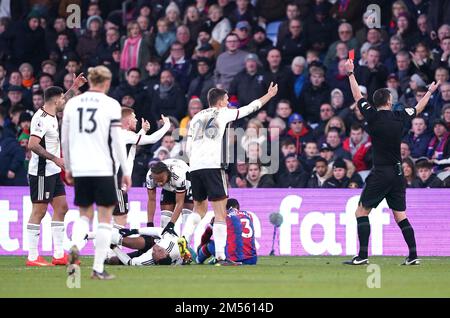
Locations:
(165, 56)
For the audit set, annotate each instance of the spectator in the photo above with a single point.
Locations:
(358, 145)
(318, 177)
(89, 41)
(248, 84)
(257, 179)
(244, 11)
(277, 128)
(14, 98)
(372, 75)
(314, 94)
(395, 46)
(164, 37)
(345, 33)
(295, 176)
(106, 48)
(426, 177)
(339, 80)
(173, 16)
(38, 100)
(299, 131)
(284, 110)
(292, 12)
(333, 139)
(239, 178)
(409, 171)
(309, 155)
(131, 86)
(27, 42)
(422, 59)
(326, 113)
(49, 67)
(405, 152)
(27, 72)
(253, 134)
(294, 43)
(443, 98)
(288, 147)
(405, 69)
(195, 105)
(270, 10)
(230, 62)
(183, 36)
(442, 57)
(446, 115)
(203, 82)
(438, 141)
(260, 44)
(418, 138)
(321, 28)
(349, 11)
(299, 77)
(337, 100)
(168, 99)
(179, 65)
(12, 156)
(243, 31)
(193, 21)
(339, 178)
(153, 69)
(218, 25)
(205, 51)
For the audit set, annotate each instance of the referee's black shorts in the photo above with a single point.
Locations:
(209, 184)
(385, 182)
(99, 190)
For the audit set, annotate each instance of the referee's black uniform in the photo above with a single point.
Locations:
(386, 179)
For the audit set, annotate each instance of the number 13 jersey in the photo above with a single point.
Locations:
(90, 117)
(206, 131)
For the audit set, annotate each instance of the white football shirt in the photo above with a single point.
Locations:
(45, 127)
(206, 132)
(89, 117)
(177, 183)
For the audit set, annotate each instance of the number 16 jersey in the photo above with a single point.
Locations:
(90, 117)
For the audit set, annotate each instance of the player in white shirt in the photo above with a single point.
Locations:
(129, 122)
(204, 149)
(91, 134)
(176, 197)
(44, 170)
(152, 248)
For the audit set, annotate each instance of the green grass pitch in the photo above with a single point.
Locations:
(273, 277)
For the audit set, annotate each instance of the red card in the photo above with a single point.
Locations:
(351, 54)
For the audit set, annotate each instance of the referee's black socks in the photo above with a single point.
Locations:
(408, 234)
(363, 235)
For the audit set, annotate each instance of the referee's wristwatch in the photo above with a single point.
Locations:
(349, 73)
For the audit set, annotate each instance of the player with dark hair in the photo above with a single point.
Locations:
(152, 248)
(172, 175)
(44, 171)
(204, 149)
(386, 179)
(240, 247)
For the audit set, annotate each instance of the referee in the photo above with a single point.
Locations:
(386, 178)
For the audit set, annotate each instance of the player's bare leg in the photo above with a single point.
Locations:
(60, 209)
(362, 218)
(200, 209)
(120, 221)
(408, 234)
(103, 241)
(38, 211)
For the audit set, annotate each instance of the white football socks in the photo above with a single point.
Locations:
(79, 230)
(191, 224)
(220, 239)
(102, 243)
(58, 238)
(33, 231)
(165, 218)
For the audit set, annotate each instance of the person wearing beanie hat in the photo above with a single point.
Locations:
(203, 82)
(248, 84)
(439, 140)
(339, 179)
(90, 39)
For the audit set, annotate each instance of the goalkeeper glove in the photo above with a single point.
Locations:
(169, 229)
(127, 232)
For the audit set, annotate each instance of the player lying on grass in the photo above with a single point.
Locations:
(172, 175)
(152, 248)
(240, 247)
